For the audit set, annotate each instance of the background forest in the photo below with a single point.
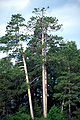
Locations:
(62, 61)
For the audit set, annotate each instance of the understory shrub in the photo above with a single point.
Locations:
(55, 114)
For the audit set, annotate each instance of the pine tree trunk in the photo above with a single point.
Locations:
(46, 90)
(62, 106)
(4, 111)
(29, 92)
(27, 81)
(44, 82)
(69, 111)
(44, 74)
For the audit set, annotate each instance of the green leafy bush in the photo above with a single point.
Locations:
(55, 114)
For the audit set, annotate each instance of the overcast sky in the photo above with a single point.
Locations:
(67, 11)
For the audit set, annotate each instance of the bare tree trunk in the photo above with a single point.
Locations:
(44, 73)
(69, 111)
(46, 90)
(62, 106)
(29, 92)
(4, 111)
(27, 81)
(44, 82)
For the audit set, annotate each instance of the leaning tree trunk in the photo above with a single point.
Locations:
(44, 73)
(29, 92)
(27, 81)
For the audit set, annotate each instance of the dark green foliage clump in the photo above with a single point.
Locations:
(55, 114)
(21, 115)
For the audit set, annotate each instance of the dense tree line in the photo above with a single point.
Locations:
(62, 63)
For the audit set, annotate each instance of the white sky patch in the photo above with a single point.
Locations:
(68, 15)
(23, 30)
(17, 4)
(2, 29)
(2, 55)
(78, 44)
